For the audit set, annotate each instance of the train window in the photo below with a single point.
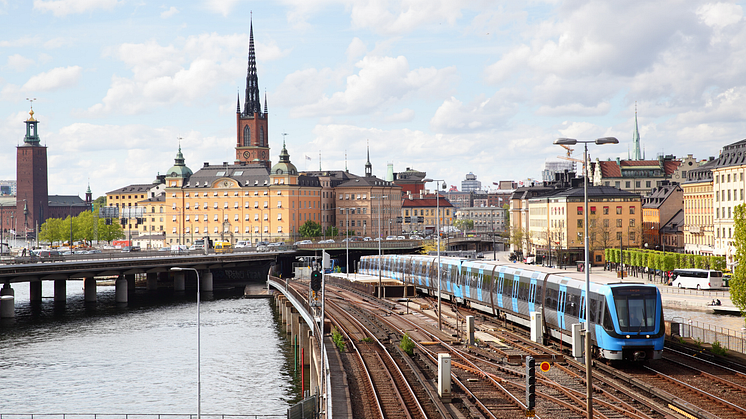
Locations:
(635, 308)
(594, 309)
(608, 321)
(523, 291)
(508, 286)
(537, 294)
(573, 305)
(551, 299)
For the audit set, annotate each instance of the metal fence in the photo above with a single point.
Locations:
(734, 340)
(305, 409)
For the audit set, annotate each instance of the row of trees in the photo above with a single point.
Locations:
(58, 229)
(664, 261)
(313, 229)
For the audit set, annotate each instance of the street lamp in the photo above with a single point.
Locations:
(380, 261)
(598, 141)
(199, 375)
(437, 229)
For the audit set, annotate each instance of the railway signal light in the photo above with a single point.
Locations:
(530, 383)
(316, 281)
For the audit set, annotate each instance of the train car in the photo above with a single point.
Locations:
(626, 318)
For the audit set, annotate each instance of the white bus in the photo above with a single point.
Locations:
(697, 278)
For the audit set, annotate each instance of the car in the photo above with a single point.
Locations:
(391, 238)
(400, 238)
(261, 243)
(327, 241)
(301, 242)
(242, 243)
(179, 248)
(415, 237)
(165, 249)
(273, 244)
(367, 239)
(377, 239)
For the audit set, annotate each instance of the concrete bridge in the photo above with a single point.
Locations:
(235, 268)
(238, 268)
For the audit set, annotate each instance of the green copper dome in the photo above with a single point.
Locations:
(284, 167)
(179, 169)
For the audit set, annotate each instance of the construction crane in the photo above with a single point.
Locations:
(569, 156)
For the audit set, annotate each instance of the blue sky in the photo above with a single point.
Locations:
(443, 86)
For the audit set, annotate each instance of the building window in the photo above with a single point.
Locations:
(593, 210)
(627, 184)
(619, 210)
(631, 222)
(631, 210)
(619, 222)
(580, 210)
(647, 184)
(619, 235)
(631, 236)
(246, 136)
(580, 223)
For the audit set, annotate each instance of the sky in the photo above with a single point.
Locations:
(446, 87)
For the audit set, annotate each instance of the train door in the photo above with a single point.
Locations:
(499, 288)
(561, 302)
(477, 292)
(532, 292)
(516, 287)
(467, 281)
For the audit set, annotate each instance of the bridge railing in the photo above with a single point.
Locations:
(734, 340)
(372, 244)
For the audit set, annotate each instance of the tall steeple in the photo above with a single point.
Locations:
(368, 165)
(252, 102)
(636, 155)
(252, 129)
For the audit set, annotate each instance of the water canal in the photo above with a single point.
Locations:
(142, 359)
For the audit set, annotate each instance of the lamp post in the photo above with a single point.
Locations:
(199, 375)
(380, 261)
(598, 141)
(437, 230)
(347, 242)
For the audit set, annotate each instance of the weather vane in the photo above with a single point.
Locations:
(31, 101)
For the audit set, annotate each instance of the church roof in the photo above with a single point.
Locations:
(64, 200)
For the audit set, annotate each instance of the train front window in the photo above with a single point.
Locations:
(635, 308)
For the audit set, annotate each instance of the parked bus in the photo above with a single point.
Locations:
(697, 278)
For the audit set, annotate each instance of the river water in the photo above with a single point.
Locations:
(142, 359)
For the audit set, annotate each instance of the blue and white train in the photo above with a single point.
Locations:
(626, 318)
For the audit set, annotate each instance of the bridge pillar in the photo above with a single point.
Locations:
(120, 292)
(89, 290)
(60, 290)
(313, 375)
(286, 317)
(152, 278)
(130, 278)
(7, 302)
(35, 291)
(205, 284)
(179, 282)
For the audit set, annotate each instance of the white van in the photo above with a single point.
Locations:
(697, 278)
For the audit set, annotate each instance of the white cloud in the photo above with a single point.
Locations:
(170, 12)
(381, 82)
(406, 115)
(62, 8)
(19, 63)
(356, 49)
(720, 15)
(58, 42)
(303, 87)
(387, 17)
(482, 114)
(224, 7)
(56, 78)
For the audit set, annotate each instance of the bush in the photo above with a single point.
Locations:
(718, 349)
(407, 345)
(338, 339)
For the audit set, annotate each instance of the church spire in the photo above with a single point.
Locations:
(252, 103)
(238, 102)
(368, 165)
(266, 109)
(636, 155)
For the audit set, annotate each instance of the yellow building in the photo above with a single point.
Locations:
(425, 209)
(699, 229)
(241, 202)
(556, 222)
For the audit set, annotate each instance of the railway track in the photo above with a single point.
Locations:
(389, 387)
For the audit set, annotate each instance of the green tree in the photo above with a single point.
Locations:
(52, 231)
(518, 237)
(310, 229)
(109, 232)
(738, 282)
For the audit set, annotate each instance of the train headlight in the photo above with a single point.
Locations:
(647, 336)
(627, 336)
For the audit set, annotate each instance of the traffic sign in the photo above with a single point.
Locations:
(544, 366)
